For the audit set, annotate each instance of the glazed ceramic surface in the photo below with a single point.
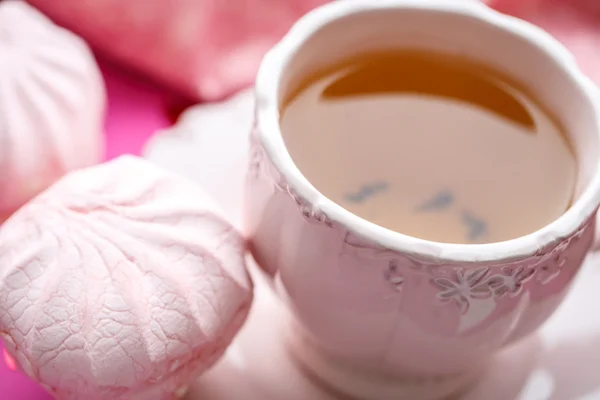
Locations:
(381, 300)
(559, 363)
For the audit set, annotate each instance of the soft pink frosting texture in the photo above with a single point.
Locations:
(121, 281)
(205, 48)
(52, 103)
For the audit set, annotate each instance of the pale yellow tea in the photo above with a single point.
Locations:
(432, 146)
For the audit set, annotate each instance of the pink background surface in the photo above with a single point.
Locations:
(136, 110)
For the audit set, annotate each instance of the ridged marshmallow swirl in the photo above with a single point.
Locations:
(121, 281)
(52, 102)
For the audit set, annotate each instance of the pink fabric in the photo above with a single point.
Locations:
(205, 48)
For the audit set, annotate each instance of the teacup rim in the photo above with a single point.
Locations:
(268, 129)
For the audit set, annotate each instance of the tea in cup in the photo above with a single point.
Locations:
(423, 187)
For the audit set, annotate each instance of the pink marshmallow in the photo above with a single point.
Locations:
(52, 103)
(121, 281)
(207, 49)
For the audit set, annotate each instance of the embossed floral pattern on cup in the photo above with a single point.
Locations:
(371, 295)
(467, 285)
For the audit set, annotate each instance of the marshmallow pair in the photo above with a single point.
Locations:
(119, 281)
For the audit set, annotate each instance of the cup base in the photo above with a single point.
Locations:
(363, 384)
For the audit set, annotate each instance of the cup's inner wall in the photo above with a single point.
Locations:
(467, 36)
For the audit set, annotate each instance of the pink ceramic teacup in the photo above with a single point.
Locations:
(381, 313)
